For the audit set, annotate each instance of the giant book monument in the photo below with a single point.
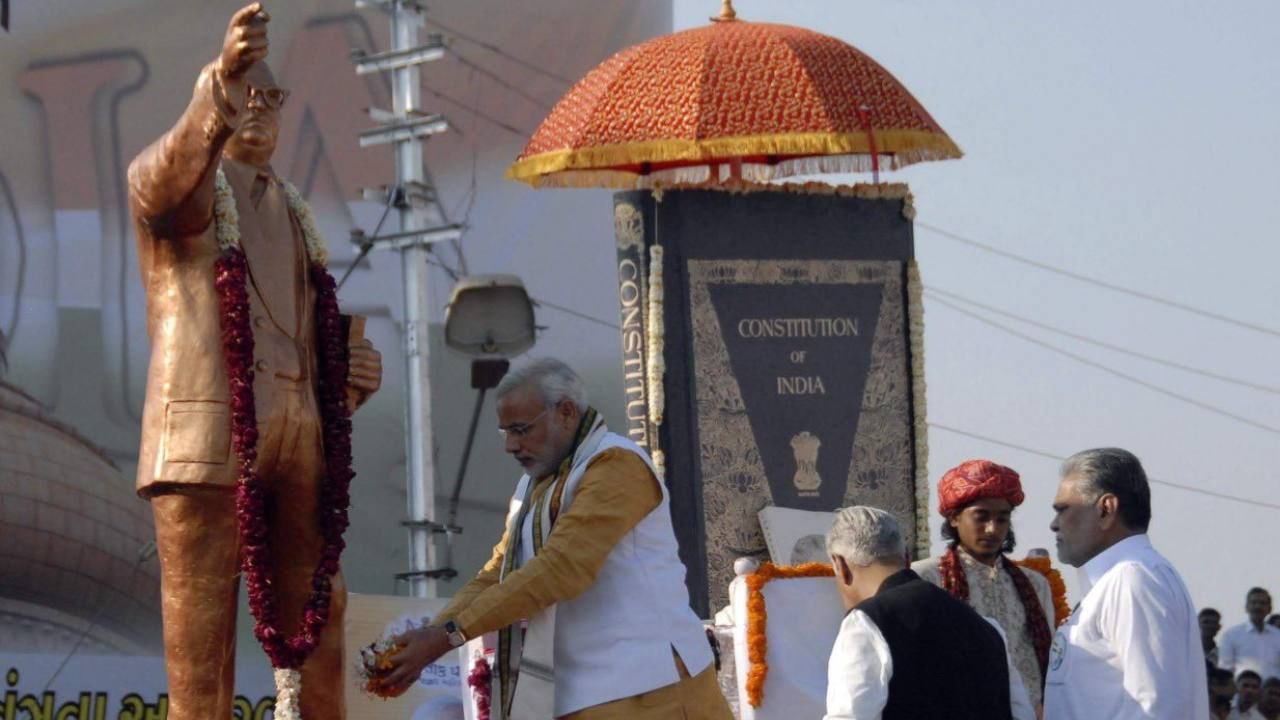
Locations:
(772, 357)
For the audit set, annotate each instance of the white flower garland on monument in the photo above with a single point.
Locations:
(655, 365)
(915, 329)
(226, 223)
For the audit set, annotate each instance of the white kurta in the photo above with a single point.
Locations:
(1132, 648)
(861, 667)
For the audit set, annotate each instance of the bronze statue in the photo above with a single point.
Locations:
(246, 434)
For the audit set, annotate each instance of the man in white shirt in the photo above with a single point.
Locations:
(907, 649)
(1132, 647)
(1252, 645)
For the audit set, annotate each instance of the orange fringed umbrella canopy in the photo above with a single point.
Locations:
(734, 99)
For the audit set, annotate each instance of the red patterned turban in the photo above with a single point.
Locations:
(975, 480)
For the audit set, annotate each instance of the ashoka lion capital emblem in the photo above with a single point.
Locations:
(805, 446)
(628, 226)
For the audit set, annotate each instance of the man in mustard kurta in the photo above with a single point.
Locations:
(589, 558)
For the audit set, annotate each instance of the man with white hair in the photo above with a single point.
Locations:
(908, 649)
(589, 550)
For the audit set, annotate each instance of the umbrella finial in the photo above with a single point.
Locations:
(726, 12)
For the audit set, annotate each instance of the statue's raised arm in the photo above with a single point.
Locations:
(171, 181)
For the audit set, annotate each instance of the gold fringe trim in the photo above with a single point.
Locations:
(866, 191)
(915, 325)
(850, 153)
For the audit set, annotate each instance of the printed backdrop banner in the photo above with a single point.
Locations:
(108, 687)
(769, 359)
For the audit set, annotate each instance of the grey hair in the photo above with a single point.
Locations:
(554, 380)
(865, 535)
(1118, 472)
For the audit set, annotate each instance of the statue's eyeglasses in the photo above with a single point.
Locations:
(272, 97)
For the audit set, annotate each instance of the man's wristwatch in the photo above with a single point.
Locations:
(456, 637)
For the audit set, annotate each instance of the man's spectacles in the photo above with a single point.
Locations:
(521, 429)
(272, 97)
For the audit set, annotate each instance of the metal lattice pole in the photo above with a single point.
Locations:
(406, 127)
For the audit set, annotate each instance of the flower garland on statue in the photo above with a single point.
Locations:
(758, 618)
(1057, 587)
(655, 365)
(287, 654)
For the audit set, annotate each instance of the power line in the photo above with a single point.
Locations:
(522, 134)
(500, 81)
(1102, 283)
(936, 291)
(469, 198)
(368, 245)
(453, 274)
(1155, 481)
(1086, 361)
(502, 53)
(575, 313)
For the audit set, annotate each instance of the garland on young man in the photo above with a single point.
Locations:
(955, 582)
(287, 653)
(1057, 586)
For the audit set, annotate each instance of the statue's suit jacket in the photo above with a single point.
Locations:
(186, 428)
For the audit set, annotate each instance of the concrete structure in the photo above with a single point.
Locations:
(72, 542)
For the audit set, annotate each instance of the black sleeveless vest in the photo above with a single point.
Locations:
(948, 662)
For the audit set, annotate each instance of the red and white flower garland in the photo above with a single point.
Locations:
(287, 654)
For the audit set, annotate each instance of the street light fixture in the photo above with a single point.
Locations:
(490, 318)
(489, 315)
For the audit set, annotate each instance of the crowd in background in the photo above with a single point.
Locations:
(1243, 666)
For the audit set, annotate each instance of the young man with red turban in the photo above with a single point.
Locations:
(977, 499)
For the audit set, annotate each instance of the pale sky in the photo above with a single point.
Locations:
(1134, 143)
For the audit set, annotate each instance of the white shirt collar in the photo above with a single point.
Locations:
(1114, 555)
